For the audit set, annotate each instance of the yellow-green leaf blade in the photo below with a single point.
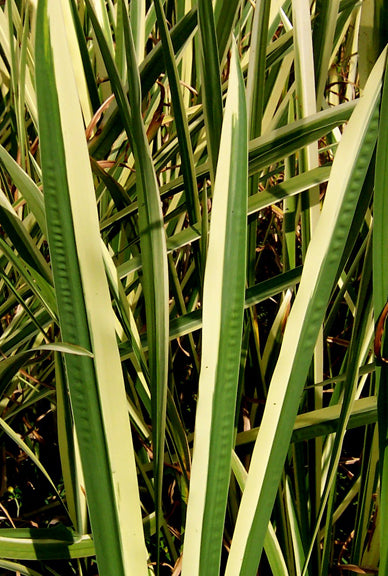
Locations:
(223, 309)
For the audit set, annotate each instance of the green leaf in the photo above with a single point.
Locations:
(211, 81)
(150, 69)
(27, 188)
(155, 272)
(223, 306)
(86, 317)
(324, 421)
(323, 36)
(21, 239)
(57, 543)
(17, 567)
(73, 479)
(271, 544)
(225, 14)
(254, 295)
(319, 274)
(179, 112)
(380, 299)
(10, 366)
(280, 143)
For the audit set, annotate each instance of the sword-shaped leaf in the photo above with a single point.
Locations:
(223, 308)
(319, 275)
(86, 316)
(155, 274)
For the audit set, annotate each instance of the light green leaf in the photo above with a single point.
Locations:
(155, 274)
(57, 543)
(319, 274)
(27, 188)
(223, 306)
(380, 298)
(86, 317)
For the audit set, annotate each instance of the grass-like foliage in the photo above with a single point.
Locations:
(193, 287)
